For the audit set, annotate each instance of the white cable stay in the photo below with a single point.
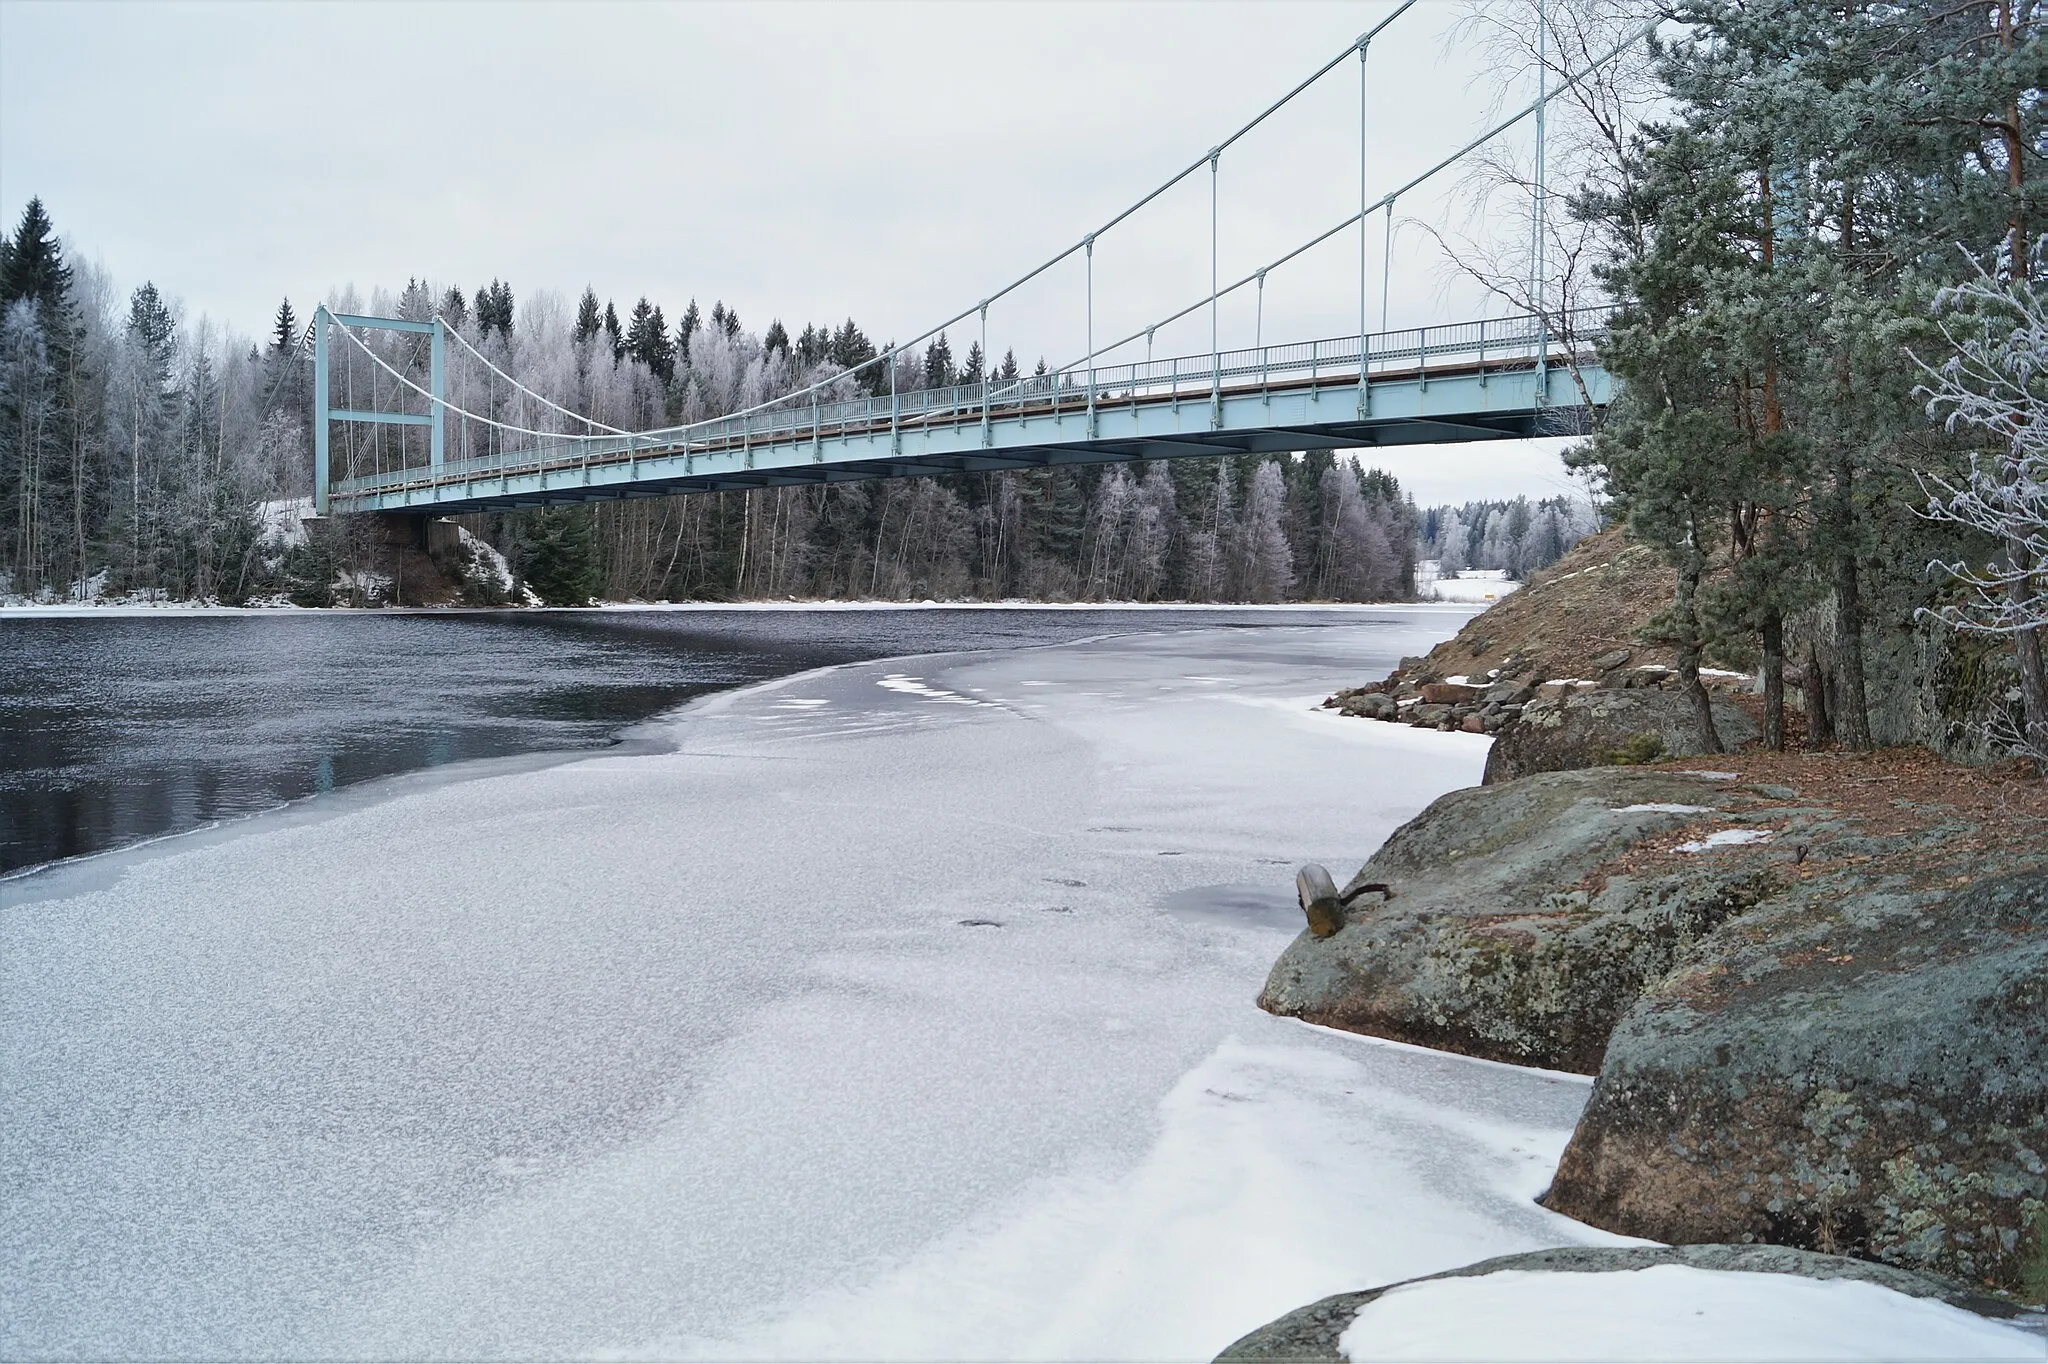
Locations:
(379, 360)
(537, 397)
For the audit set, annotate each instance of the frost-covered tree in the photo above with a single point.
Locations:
(1995, 385)
(1268, 563)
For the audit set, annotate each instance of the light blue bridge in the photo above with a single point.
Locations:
(1501, 378)
(1471, 381)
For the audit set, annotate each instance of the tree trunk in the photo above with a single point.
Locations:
(1851, 708)
(1774, 678)
(1820, 725)
(1687, 607)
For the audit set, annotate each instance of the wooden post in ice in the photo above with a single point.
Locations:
(1319, 900)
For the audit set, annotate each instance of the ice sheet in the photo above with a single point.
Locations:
(668, 1052)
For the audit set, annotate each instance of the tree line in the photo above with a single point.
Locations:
(1516, 537)
(144, 455)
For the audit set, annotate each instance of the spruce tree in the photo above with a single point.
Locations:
(33, 265)
(589, 322)
(561, 561)
(285, 332)
(686, 330)
(938, 363)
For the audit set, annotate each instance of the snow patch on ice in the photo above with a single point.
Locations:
(1669, 1312)
(913, 686)
(1280, 1175)
(1726, 838)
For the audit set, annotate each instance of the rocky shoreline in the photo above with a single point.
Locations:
(1812, 986)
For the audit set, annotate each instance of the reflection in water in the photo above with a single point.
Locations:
(115, 729)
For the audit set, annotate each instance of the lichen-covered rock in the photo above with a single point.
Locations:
(1371, 705)
(1494, 942)
(1310, 1334)
(1594, 728)
(1859, 1065)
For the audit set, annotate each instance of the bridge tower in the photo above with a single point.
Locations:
(324, 414)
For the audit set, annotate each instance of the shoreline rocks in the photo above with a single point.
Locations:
(1865, 1074)
(1817, 1020)
(1310, 1334)
(1610, 728)
(1495, 942)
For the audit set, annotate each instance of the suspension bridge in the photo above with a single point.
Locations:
(1482, 379)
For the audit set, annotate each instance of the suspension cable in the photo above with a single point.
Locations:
(1080, 244)
(567, 412)
(1385, 201)
(463, 412)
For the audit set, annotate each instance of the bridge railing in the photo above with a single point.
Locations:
(1416, 353)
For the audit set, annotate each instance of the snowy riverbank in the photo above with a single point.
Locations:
(901, 1009)
(19, 609)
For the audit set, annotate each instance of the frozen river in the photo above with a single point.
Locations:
(895, 1009)
(120, 727)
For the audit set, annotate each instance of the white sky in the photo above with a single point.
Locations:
(894, 162)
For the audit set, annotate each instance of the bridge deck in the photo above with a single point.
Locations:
(1275, 399)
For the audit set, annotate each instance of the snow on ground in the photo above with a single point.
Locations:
(1725, 838)
(860, 1022)
(284, 521)
(1467, 585)
(1670, 1312)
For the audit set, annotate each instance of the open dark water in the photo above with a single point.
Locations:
(118, 729)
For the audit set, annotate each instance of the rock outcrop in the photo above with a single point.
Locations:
(1860, 1072)
(1604, 728)
(1498, 940)
(1310, 1335)
(1814, 991)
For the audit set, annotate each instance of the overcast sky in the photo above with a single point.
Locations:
(894, 163)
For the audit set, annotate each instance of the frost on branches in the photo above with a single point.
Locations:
(1996, 383)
